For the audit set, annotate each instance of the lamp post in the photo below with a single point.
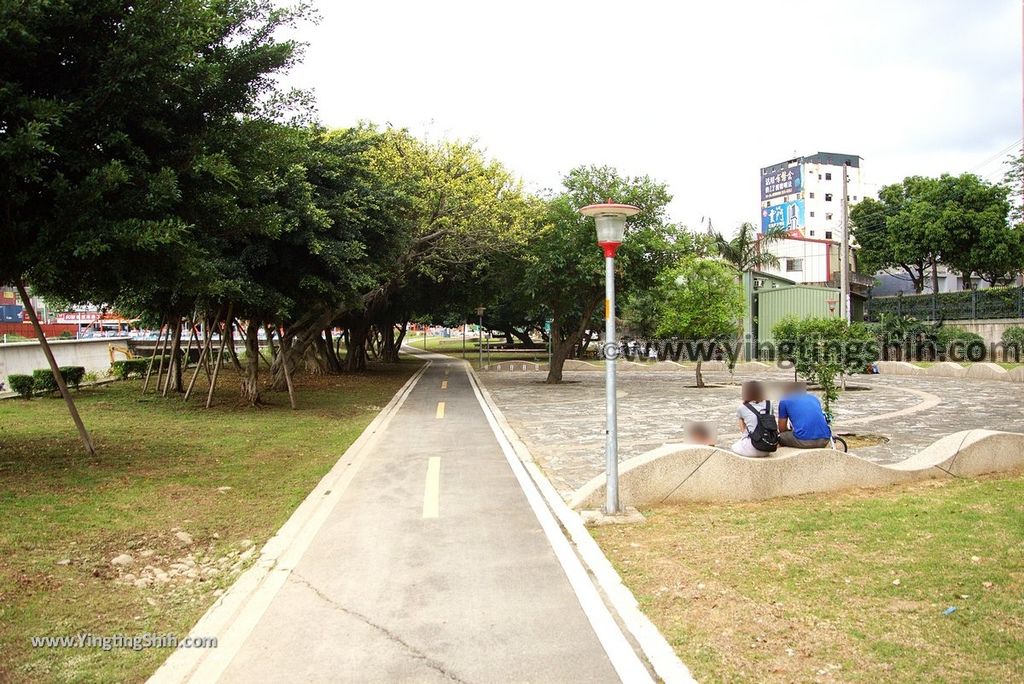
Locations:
(611, 226)
(480, 335)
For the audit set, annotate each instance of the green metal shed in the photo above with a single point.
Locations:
(802, 301)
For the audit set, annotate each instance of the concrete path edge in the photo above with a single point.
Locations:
(232, 616)
(659, 653)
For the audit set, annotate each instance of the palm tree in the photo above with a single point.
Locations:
(746, 251)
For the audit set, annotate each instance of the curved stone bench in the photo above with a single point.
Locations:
(676, 473)
(946, 369)
(899, 368)
(509, 366)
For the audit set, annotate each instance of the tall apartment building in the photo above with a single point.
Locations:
(804, 195)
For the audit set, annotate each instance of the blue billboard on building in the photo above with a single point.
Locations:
(785, 216)
(777, 181)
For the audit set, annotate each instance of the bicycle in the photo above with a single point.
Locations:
(834, 440)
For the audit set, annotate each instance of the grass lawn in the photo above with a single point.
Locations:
(227, 478)
(850, 587)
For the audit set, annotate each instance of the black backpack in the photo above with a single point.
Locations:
(765, 435)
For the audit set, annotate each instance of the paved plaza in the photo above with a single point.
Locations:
(563, 425)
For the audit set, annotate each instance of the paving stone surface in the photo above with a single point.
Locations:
(563, 425)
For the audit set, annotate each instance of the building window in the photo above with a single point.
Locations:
(828, 176)
(828, 217)
(828, 196)
(794, 265)
(828, 234)
(854, 198)
(812, 195)
(812, 214)
(768, 203)
(819, 176)
(812, 233)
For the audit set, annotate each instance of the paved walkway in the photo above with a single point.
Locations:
(431, 567)
(563, 425)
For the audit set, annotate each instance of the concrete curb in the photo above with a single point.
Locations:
(659, 653)
(233, 616)
(676, 473)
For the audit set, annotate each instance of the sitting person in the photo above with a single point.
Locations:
(700, 433)
(757, 422)
(801, 421)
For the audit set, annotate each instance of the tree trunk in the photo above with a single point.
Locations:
(560, 351)
(224, 336)
(250, 386)
(285, 370)
(152, 357)
(562, 348)
(204, 356)
(174, 365)
(935, 276)
(523, 336)
(700, 375)
(334, 363)
(229, 331)
(82, 432)
(355, 360)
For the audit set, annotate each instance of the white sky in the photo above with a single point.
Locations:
(697, 93)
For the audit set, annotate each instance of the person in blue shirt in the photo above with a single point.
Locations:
(801, 421)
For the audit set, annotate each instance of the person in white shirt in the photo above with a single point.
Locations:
(753, 394)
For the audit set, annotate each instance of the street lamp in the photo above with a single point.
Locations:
(611, 226)
(480, 335)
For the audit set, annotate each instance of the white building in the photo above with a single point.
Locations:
(806, 194)
(805, 260)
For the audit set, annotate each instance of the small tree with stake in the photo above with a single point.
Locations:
(701, 301)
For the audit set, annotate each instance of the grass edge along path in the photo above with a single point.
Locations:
(855, 586)
(189, 495)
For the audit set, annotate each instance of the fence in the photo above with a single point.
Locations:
(996, 302)
(49, 329)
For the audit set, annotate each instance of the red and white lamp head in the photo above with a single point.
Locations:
(611, 223)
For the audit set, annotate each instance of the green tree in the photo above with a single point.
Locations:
(565, 268)
(701, 301)
(111, 114)
(973, 220)
(824, 350)
(746, 251)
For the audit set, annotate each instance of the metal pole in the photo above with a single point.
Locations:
(844, 257)
(480, 342)
(465, 324)
(611, 504)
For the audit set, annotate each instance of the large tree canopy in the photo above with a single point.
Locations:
(565, 271)
(959, 221)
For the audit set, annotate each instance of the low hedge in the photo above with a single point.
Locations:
(24, 385)
(128, 368)
(45, 381)
(72, 375)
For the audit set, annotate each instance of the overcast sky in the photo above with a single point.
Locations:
(698, 94)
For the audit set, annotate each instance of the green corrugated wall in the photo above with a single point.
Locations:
(802, 301)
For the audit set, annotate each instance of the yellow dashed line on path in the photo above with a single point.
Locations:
(440, 409)
(444, 384)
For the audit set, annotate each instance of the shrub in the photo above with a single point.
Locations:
(24, 385)
(72, 375)
(824, 349)
(65, 336)
(45, 381)
(946, 335)
(1013, 343)
(91, 377)
(128, 368)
